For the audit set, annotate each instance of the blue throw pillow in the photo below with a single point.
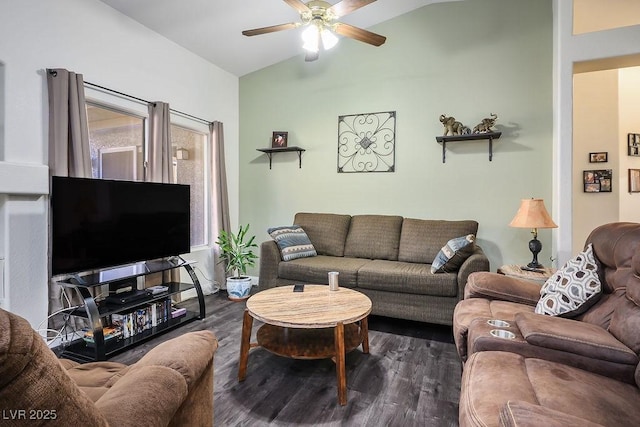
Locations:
(453, 254)
(292, 241)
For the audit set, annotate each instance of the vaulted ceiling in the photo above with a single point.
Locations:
(212, 29)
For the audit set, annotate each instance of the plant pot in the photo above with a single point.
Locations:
(238, 288)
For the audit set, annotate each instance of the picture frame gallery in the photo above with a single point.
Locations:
(597, 181)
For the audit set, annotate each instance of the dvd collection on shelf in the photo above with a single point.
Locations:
(128, 324)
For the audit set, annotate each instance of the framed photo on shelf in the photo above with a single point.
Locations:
(597, 181)
(599, 157)
(633, 144)
(634, 180)
(279, 139)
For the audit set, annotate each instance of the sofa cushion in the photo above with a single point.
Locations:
(491, 379)
(292, 241)
(406, 277)
(373, 237)
(625, 324)
(316, 269)
(327, 232)
(421, 239)
(574, 337)
(573, 289)
(523, 414)
(96, 378)
(453, 254)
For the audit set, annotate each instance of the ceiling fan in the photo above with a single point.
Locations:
(320, 17)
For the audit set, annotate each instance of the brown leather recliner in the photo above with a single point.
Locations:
(555, 371)
(171, 385)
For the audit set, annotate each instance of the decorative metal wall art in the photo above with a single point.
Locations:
(367, 142)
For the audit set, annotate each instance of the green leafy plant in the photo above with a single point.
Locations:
(235, 252)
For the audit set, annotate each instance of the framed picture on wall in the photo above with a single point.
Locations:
(279, 139)
(597, 181)
(599, 157)
(633, 144)
(634, 180)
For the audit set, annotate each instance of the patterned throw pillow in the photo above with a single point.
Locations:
(292, 241)
(453, 254)
(572, 289)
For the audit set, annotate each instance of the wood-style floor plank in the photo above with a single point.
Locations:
(410, 378)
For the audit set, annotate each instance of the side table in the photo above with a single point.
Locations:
(539, 276)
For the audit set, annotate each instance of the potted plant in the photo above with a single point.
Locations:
(238, 255)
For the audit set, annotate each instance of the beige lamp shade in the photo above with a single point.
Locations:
(532, 214)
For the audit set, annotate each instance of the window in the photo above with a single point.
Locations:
(117, 141)
(189, 168)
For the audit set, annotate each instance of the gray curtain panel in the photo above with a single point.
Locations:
(220, 197)
(160, 166)
(160, 163)
(68, 156)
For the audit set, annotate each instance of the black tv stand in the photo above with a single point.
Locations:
(98, 311)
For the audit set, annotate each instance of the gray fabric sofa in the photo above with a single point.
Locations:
(386, 257)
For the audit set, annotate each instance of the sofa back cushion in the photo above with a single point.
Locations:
(31, 377)
(327, 232)
(614, 246)
(625, 322)
(422, 239)
(374, 237)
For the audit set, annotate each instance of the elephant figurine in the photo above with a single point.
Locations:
(486, 124)
(453, 127)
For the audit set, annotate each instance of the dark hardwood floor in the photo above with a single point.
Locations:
(410, 378)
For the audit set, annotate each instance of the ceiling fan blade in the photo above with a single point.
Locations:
(347, 6)
(311, 56)
(298, 5)
(359, 34)
(271, 29)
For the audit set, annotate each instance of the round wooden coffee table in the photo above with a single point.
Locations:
(314, 324)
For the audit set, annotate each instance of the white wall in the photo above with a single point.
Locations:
(109, 49)
(629, 99)
(569, 50)
(595, 129)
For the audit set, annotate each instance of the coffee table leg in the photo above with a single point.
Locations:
(364, 330)
(247, 323)
(340, 364)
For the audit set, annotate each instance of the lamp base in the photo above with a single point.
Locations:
(535, 247)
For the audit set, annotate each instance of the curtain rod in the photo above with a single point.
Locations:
(145, 101)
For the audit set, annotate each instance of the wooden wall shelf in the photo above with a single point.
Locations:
(270, 151)
(471, 137)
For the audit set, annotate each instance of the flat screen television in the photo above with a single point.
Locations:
(99, 223)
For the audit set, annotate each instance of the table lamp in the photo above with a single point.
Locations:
(532, 214)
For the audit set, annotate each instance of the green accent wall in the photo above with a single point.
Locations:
(466, 59)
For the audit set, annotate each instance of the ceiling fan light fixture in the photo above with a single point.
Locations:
(311, 38)
(329, 39)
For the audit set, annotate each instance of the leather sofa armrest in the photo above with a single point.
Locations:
(189, 354)
(524, 414)
(572, 336)
(152, 393)
(269, 259)
(478, 261)
(496, 286)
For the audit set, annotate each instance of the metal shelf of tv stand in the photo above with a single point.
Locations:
(94, 314)
(79, 351)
